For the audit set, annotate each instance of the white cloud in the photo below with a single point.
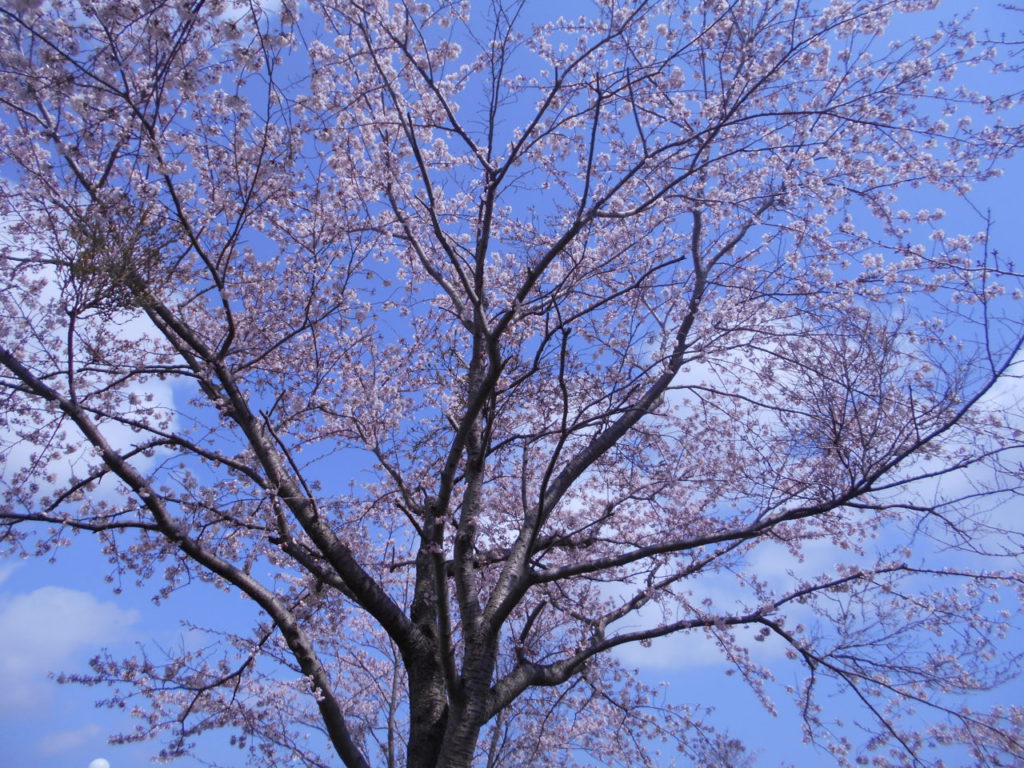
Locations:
(774, 563)
(52, 475)
(683, 650)
(696, 648)
(66, 741)
(769, 561)
(234, 11)
(42, 630)
(6, 569)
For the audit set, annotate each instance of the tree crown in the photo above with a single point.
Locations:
(497, 343)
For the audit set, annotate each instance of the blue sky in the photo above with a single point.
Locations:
(54, 617)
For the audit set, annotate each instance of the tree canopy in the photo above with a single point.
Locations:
(474, 343)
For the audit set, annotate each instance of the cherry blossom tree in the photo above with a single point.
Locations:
(474, 345)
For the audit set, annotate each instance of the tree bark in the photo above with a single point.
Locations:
(428, 695)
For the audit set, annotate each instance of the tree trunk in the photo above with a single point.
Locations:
(428, 695)
(428, 714)
(469, 716)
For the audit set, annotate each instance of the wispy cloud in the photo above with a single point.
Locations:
(62, 742)
(43, 630)
(6, 569)
(770, 562)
